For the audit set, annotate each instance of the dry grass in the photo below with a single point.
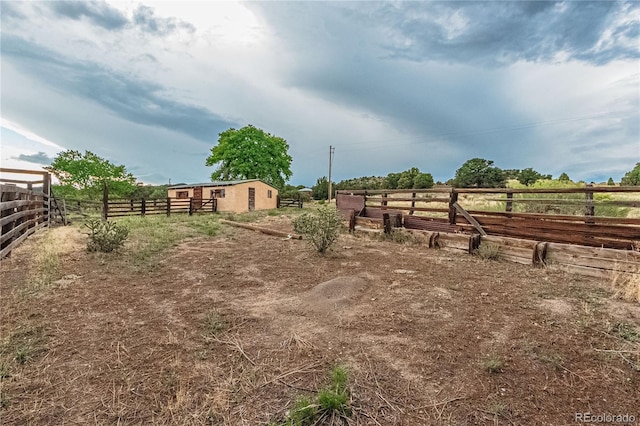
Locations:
(626, 285)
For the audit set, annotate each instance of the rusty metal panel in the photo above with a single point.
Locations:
(428, 224)
(346, 203)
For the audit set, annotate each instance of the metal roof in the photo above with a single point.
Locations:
(215, 183)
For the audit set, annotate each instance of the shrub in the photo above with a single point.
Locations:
(321, 228)
(489, 251)
(105, 236)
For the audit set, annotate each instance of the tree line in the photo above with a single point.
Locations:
(251, 153)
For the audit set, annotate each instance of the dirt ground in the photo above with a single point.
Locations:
(231, 329)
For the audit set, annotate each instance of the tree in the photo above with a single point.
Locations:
(610, 182)
(564, 177)
(479, 172)
(632, 177)
(320, 190)
(251, 153)
(423, 180)
(89, 174)
(529, 176)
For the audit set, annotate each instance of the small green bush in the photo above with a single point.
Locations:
(106, 236)
(489, 251)
(321, 227)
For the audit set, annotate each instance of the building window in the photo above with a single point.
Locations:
(182, 194)
(269, 193)
(217, 193)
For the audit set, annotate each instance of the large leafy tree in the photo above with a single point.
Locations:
(480, 173)
(632, 177)
(529, 176)
(89, 174)
(251, 153)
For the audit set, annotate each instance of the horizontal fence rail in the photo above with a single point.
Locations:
(597, 216)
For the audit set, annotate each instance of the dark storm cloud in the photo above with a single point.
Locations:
(496, 33)
(39, 158)
(130, 98)
(97, 12)
(340, 60)
(144, 17)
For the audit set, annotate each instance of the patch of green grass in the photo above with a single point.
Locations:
(493, 364)
(303, 412)
(5, 369)
(331, 402)
(22, 346)
(213, 324)
(626, 332)
(497, 408)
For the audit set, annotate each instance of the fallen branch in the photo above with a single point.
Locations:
(267, 231)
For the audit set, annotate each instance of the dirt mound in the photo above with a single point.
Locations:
(334, 294)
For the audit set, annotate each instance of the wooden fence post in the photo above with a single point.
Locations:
(46, 190)
(7, 196)
(590, 208)
(143, 206)
(190, 206)
(105, 201)
(509, 206)
(387, 223)
(398, 221)
(352, 220)
(168, 206)
(413, 202)
(383, 201)
(453, 199)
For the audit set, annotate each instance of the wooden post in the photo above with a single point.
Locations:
(168, 206)
(413, 202)
(352, 220)
(590, 208)
(46, 190)
(105, 201)
(278, 201)
(190, 206)
(7, 196)
(383, 202)
(509, 206)
(398, 220)
(387, 223)
(143, 206)
(453, 200)
(131, 204)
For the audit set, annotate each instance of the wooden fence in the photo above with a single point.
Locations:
(590, 216)
(24, 206)
(166, 206)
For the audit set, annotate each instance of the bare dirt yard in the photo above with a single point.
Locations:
(232, 329)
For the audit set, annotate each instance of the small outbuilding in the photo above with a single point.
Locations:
(237, 196)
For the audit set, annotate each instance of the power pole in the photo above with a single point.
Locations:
(332, 150)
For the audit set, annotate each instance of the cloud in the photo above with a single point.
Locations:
(502, 33)
(133, 99)
(97, 12)
(39, 158)
(144, 17)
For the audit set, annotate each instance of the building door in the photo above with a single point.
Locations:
(197, 197)
(252, 199)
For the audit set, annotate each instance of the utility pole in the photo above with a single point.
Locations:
(331, 152)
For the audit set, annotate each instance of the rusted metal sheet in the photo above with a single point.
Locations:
(427, 224)
(346, 203)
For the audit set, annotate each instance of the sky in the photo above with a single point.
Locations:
(391, 85)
